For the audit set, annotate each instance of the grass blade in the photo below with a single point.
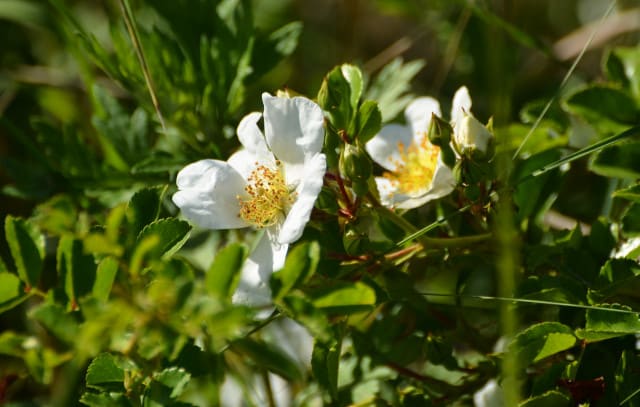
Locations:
(595, 147)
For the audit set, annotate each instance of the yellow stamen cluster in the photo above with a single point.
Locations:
(269, 196)
(415, 168)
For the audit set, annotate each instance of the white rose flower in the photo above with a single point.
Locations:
(416, 173)
(271, 183)
(468, 133)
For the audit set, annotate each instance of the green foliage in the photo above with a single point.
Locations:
(108, 297)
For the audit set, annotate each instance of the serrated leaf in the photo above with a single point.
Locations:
(602, 324)
(105, 276)
(104, 373)
(27, 248)
(171, 234)
(551, 398)
(269, 357)
(345, 298)
(542, 340)
(60, 323)
(301, 264)
(143, 208)
(223, 274)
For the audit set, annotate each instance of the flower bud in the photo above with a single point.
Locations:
(439, 131)
(356, 166)
(471, 137)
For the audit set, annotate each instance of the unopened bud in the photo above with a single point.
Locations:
(439, 131)
(356, 166)
(472, 137)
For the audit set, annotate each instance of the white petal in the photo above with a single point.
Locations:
(245, 161)
(294, 127)
(250, 135)
(267, 257)
(308, 190)
(418, 115)
(384, 146)
(461, 105)
(442, 185)
(207, 194)
(387, 191)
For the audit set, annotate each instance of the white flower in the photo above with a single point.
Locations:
(469, 134)
(490, 395)
(415, 173)
(271, 183)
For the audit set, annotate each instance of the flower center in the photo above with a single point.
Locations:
(415, 168)
(268, 196)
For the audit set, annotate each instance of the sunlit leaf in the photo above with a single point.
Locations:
(223, 274)
(602, 324)
(541, 341)
(301, 264)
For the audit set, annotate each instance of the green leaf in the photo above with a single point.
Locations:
(368, 121)
(269, 357)
(301, 264)
(631, 220)
(60, 323)
(76, 268)
(389, 88)
(325, 362)
(171, 234)
(621, 65)
(607, 108)
(551, 398)
(542, 340)
(175, 379)
(11, 292)
(105, 276)
(603, 324)
(620, 161)
(353, 76)
(345, 297)
(27, 248)
(267, 52)
(628, 378)
(111, 399)
(631, 193)
(533, 194)
(223, 274)
(335, 98)
(9, 287)
(105, 373)
(143, 208)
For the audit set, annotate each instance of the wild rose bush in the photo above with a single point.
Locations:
(195, 241)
